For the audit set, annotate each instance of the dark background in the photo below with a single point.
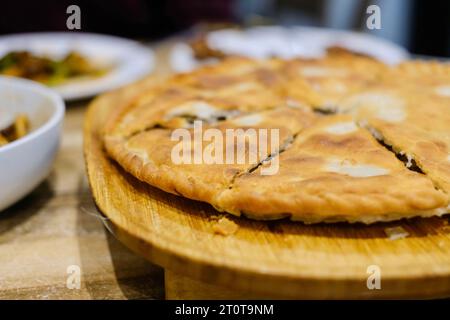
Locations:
(422, 26)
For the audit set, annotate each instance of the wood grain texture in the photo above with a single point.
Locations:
(179, 287)
(57, 226)
(281, 258)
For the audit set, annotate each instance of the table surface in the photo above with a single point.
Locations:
(57, 227)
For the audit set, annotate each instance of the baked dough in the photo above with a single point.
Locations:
(331, 168)
(322, 83)
(148, 154)
(236, 86)
(415, 124)
(334, 171)
(427, 77)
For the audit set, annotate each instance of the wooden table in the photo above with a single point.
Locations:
(57, 226)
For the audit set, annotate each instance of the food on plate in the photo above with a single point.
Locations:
(14, 131)
(352, 143)
(48, 70)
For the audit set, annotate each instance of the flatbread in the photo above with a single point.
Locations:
(148, 154)
(427, 77)
(416, 125)
(212, 93)
(322, 83)
(331, 168)
(335, 171)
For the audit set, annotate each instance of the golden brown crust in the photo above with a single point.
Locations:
(125, 99)
(416, 125)
(322, 83)
(237, 84)
(316, 181)
(425, 77)
(148, 155)
(334, 171)
(421, 132)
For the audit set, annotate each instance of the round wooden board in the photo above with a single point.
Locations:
(279, 259)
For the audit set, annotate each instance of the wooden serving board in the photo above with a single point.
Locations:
(279, 259)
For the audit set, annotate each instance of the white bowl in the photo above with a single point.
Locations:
(26, 162)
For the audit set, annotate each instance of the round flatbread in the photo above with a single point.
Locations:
(243, 135)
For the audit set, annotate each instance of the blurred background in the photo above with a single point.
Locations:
(422, 27)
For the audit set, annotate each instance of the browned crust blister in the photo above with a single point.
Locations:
(330, 166)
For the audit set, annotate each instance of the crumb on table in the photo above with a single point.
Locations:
(396, 233)
(224, 226)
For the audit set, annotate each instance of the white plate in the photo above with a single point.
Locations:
(284, 42)
(130, 60)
